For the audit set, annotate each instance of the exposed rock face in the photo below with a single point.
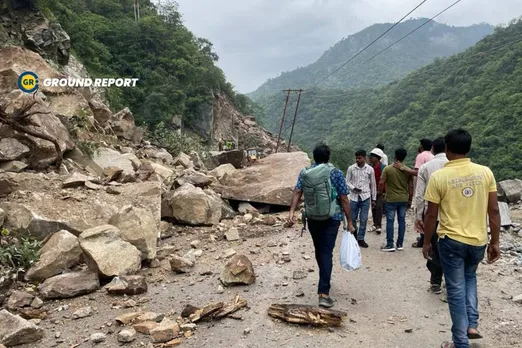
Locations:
(60, 253)
(238, 271)
(15, 331)
(270, 181)
(510, 191)
(192, 206)
(69, 285)
(138, 227)
(106, 253)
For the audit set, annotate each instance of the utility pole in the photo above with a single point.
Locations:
(293, 122)
(282, 120)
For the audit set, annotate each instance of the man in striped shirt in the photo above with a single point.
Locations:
(360, 178)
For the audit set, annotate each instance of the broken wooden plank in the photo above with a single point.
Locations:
(237, 303)
(306, 315)
(213, 311)
(206, 312)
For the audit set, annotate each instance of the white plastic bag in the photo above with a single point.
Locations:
(350, 252)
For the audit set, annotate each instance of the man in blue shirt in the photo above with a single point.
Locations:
(324, 232)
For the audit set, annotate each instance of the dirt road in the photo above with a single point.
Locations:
(388, 296)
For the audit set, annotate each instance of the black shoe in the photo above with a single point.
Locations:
(436, 289)
(388, 248)
(326, 302)
(362, 243)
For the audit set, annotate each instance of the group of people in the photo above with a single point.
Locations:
(452, 199)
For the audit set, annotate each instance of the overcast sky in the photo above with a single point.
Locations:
(258, 39)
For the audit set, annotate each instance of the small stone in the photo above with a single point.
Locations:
(98, 337)
(165, 332)
(198, 253)
(247, 331)
(409, 330)
(37, 303)
(229, 253)
(205, 272)
(128, 318)
(188, 327)
(129, 304)
(126, 335)
(57, 334)
(517, 299)
(194, 244)
(271, 244)
(145, 327)
(232, 234)
(220, 290)
(299, 275)
(299, 293)
(306, 257)
(247, 218)
(82, 313)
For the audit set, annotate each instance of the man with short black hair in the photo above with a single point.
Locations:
(464, 193)
(323, 229)
(425, 171)
(399, 193)
(360, 178)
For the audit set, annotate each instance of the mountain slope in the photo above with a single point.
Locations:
(433, 40)
(479, 89)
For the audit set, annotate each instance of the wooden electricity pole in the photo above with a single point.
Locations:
(293, 121)
(282, 120)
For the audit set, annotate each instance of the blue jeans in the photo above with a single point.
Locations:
(391, 208)
(324, 234)
(360, 210)
(459, 262)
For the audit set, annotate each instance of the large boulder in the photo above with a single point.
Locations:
(127, 285)
(510, 191)
(61, 252)
(42, 152)
(100, 111)
(109, 158)
(12, 166)
(270, 181)
(106, 253)
(69, 285)
(235, 157)
(195, 178)
(138, 227)
(224, 169)
(238, 271)
(15, 330)
(191, 205)
(11, 149)
(123, 125)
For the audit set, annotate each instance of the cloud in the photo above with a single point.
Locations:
(258, 39)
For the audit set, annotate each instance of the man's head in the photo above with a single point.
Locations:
(400, 154)
(375, 156)
(380, 146)
(425, 145)
(439, 146)
(360, 158)
(458, 143)
(322, 154)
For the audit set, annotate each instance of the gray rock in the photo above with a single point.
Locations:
(19, 299)
(517, 299)
(107, 253)
(13, 166)
(127, 335)
(60, 253)
(37, 303)
(299, 275)
(127, 285)
(15, 331)
(123, 125)
(238, 271)
(223, 170)
(247, 208)
(69, 285)
(180, 264)
(510, 191)
(11, 149)
(76, 180)
(138, 227)
(98, 337)
(232, 234)
(505, 214)
(192, 206)
(183, 160)
(81, 313)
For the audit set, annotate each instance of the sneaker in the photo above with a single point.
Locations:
(378, 230)
(388, 248)
(326, 302)
(400, 248)
(362, 243)
(436, 289)
(372, 229)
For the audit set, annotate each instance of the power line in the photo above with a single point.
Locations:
(473, 55)
(370, 44)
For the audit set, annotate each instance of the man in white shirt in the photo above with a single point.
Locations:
(360, 178)
(420, 205)
(384, 158)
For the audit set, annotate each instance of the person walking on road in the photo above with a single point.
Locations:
(377, 210)
(324, 207)
(360, 178)
(399, 194)
(425, 172)
(464, 193)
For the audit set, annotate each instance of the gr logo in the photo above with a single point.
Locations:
(28, 82)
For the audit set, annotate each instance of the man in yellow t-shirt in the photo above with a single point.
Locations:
(465, 193)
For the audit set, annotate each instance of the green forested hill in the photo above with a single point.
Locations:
(177, 70)
(479, 89)
(418, 49)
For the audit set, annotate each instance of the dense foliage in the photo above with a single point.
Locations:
(479, 89)
(418, 49)
(176, 70)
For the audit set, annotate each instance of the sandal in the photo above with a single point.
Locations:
(448, 344)
(474, 335)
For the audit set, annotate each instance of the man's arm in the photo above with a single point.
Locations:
(351, 186)
(373, 185)
(345, 206)
(430, 224)
(420, 190)
(402, 167)
(410, 190)
(382, 181)
(494, 225)
(296, 197)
